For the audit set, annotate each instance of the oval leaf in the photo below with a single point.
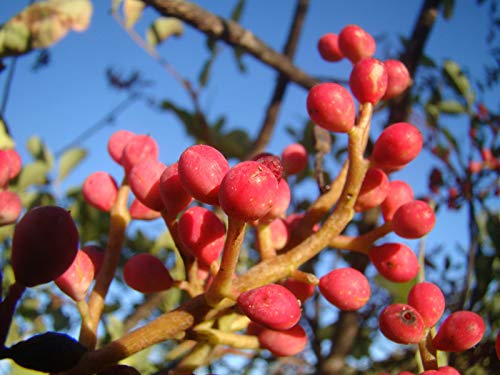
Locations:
(162, 28)
(69, 160)
(451, 107)
(33, 174)
(49, 352)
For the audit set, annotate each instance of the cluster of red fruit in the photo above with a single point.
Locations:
(10, 203)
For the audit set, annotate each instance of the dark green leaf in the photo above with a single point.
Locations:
(48, 352)
(235, 144)
(450, 137)
(448, 8)
(458, 80)
(205, 71)
(187, 118)
(238, 10)
(492, 226)
(451, 107)
(238, 55)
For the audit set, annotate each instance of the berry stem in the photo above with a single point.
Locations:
(236, 340)
(362, 243)
(222, 285)
(305, 277)
(428, 352)
(87, 335)
(120, 217)
(7, 309)
(264, 241)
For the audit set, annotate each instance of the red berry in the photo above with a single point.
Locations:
(140, 147)
(96, 255)
(460, 331)
(328, 47)
(272, 305)
(272, 162)
(202, 233)
(395, 261)
(413, 219)
(117, 143)
(346, 288)
(429, 300)
(355, 43)
(431, 372)
(279, 233)
(398, 78)
(368, 80)
(294, 158)
(248, 191)
(10, 207)
(146, 274)
(15, 162)
(332, 107)
(44, 245)
(281, 202)
(448, 370)
(175, 198)
(144, 180)
(138, 211)
(397, 145)
(402, 324)
(301, 289)
(283, 343)
(100, 190)
(497, 345)
(399, 193)
(373, 190)
(201, 170)
(4, 168)
(76, 280)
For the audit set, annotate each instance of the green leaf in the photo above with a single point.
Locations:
(5, 139)
(15, 38)
(238, 10)
(450, 137)
(132, 11)
(451, 107)
(458, 81)
(33, 174)
(163, 28)
(238, 54)
(69, 160)
(448, 8)
(398, 291)
(205, 71)
(235, 144)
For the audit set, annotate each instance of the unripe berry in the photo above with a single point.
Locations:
(398, 78)
(44, 245)
(117, 143)
(146, 274)
(202, 233)
(10, 207)
(399, 193)
(301, 289)
(272, 305)
(175, 198)
(402, 324)
(368, 80)
(355, 43)
(332, 107)
(397, 145)
(283, 343)
(328, 47)
(248, 191)
(140, 147)
(201, 170)
(346, 288)
(76, 280)
(100, 190)
(144, 180)
(460, 331)
(373, 190)
(294, 158)
(138, 211)
(395, 261)
(429, 300)
(413, 219)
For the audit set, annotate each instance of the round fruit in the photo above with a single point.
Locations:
(144, 180)
(355, 43)
(328, 47)
(429, 300)
(395, 261)
(294, 158)
(76, 280)
(117, 143)
(346, 288)
(368, 80)
(413, 219)
(373, 190)
(146, 274)
(283, 343)
(402, 324)
(175, 198)
(100, 190)
(460, 331)
(399, 193)
(398, 78)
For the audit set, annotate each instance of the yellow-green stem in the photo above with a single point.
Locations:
(264, 241)
(363, 243)
(428, 352)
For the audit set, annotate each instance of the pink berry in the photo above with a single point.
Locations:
(368, 80)
(301, 289)
(332, 107)
(448, 370)
(279, 233)
(10, 207)
(429, 300)
(201, 170)
(397, 145)
(398, 78)
(139, 211)
(402, 324)
(294, 158)
(373, 190)
(460, 331)
(248, 191)
(202, 233)
(117, 143)
(280, 204)
(144, 180)
(398, 194)
(44, 245)
(100, 190)
(147, 274)
(328, 47)
(140, 147)
(413, 219)
(272, 305)
(395, 261)
(4, 168)
(175, 198)
(431, 372)
(283, 343)
(96, 255)
(15, 162)
(497, 345)
(346, 288)
(76, 280)
(272, 162)
(355, 43)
